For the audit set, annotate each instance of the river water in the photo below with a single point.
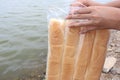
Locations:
(23, 36)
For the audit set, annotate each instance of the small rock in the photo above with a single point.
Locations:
(39, 75)
(118, 45)
(116, 77)
(112, 44)
(106, 76)
(117, 50)
(110, 49)
(116, 68)
(109, 63)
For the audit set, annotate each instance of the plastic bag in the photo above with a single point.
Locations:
(62, 46)
(71, 55)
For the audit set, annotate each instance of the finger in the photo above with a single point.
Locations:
(75, 8)
(81, 3)
(77, 4)
(87, 2)
(79, 16)
(69, 16)
(88, 29)
(86, 10)
(82, 23)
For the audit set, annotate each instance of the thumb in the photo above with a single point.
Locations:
(90, 3)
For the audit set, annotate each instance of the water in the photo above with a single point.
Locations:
(23, 36)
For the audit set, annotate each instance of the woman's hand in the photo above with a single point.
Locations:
(86, 3)
(114, 3)
(96, 17)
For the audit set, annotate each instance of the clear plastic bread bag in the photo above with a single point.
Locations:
(68, 46)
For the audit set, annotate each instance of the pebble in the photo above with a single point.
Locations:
(116, 77)
(109, 63)
(114, 51)
(117, 50)
(106, 76)
(110, 49)
(116, 68)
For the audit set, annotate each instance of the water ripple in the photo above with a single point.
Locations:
(23, 35)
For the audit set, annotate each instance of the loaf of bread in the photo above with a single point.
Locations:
(84, 55)
(98, 55)
(70, 47)
(74, 56)
(56, 43)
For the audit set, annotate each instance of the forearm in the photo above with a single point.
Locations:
(115, 3)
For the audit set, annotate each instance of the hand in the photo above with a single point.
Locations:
(97, 17)
(114, 3)
(86, 3)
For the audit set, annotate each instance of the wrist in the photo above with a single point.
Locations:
(113, 4)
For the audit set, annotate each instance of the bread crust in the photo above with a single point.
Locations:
(84, 55)
(70, 47)
(56, 42)
(98, 55)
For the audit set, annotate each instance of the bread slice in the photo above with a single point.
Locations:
(71, 43)
(98, 55)
(56, 43)
(84, 55)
